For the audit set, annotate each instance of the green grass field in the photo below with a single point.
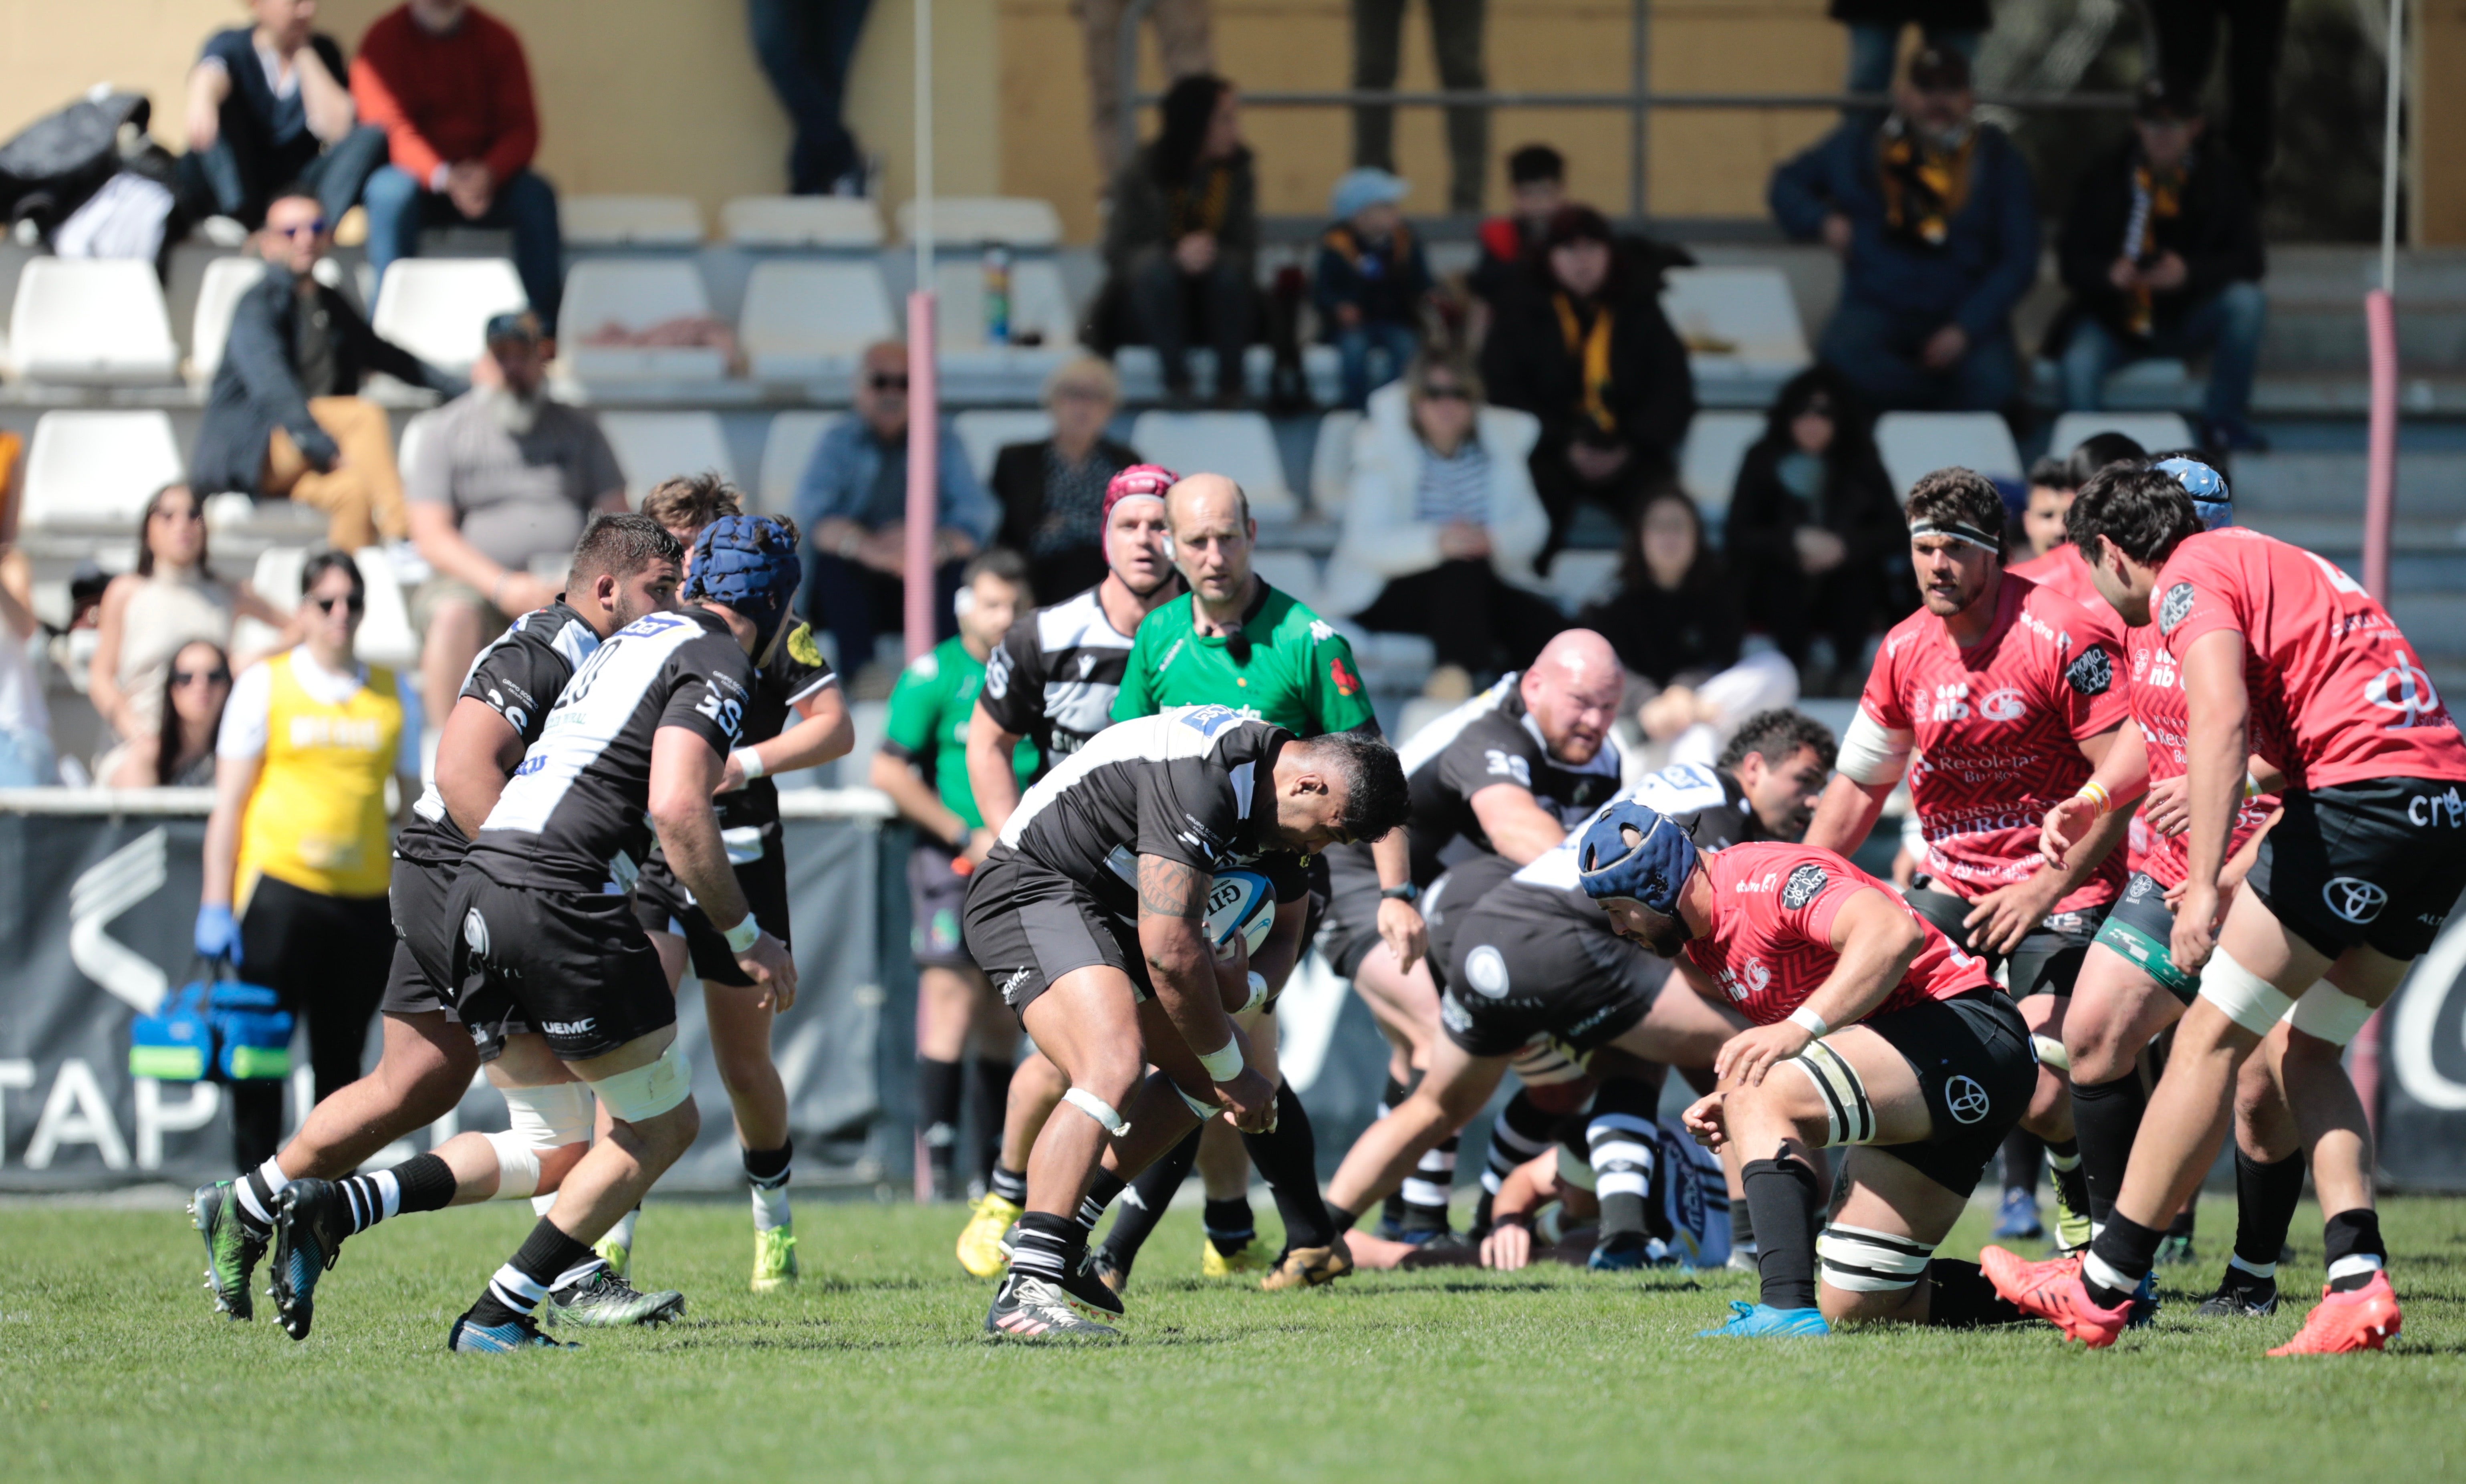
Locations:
(111, 1367)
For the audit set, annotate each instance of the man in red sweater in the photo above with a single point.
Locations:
(448, 84)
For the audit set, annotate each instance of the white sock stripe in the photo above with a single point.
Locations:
(1621, 1182)
(2098, 1270)
(2065, 1163)
(2354, 1263)
(1491, 1181)
(2268, 1270)
(769, 1207)
(1422, 1192)
(389, 1192)
(516, 1288)
(1437, 1161)
(576, 1273)
(1628, 1123)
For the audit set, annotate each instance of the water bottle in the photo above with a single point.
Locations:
(996, 296)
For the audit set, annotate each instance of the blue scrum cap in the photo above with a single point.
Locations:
(2207, 486)
(1650, 872)
(748, 562)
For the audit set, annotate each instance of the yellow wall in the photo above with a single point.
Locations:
(2436, 36)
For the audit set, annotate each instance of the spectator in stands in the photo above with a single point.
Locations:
(1183, 45)
(1370, 280)
(297, 854)
(448, 83)
(26, 757)
(172, 601)
(852, 504)
(269, 103)
(1675, 623)
(2188, 47)
(1581, 344)
(503, 477)
(179, 751)
(284, 418)
(1813, 522)
(1442, 525)
(2161, 252)
(1536, 187)
(1876, 27)
(1052, 491)
(804, 48)
(1455, 37)
(1936, 220)
(1184, 237)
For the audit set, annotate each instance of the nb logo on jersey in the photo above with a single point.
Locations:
(2405, 690)
(1508, 765)
(1951, 702)
(1748, 980)
(2351, 897)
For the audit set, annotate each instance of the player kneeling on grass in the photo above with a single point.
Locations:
(1929, 1069)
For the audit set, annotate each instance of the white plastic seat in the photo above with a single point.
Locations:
(1040, 305)
(1579, 577)
(1916, 444)
(1331, 476)
(1708, 460)
(89, 469)
(1736, 321)
(634, 294)
(91, 322)
(276, 574)
(800, 221)
(985, 434)
(386, 636)
(1241, 447)
(227, 281)
(806, 319)
(438, 308)
(629, 221)
(653, 446)
(786, 451)
(2156, 431)
(985, 221)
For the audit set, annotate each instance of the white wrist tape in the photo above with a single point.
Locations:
(1871, 753)
(2096, 793)
(2244, 996)
(647, 1091)
(1225, 1063)
(1258, 993)
(1098, 1109)
(747, 762)
(742, 936)
(1808, 1021)
(2329, 1014)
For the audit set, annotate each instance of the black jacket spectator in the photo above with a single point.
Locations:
(1193, 181)
(2212, 226)
(1814, 470)
(1019, 481)
(1671, 636)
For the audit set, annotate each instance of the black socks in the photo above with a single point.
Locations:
(2121, 1256)
(939, 1089)
(1148, 1196)
(2022, 1150)
(1008, 1184)
(1230, 1225)
(1048, 1246)
(1287, 1158)
(2106, 1116)
(2266, 1196)
(533, 1271)
(2354, 1250)
(1960, 1298)
(989, 1080)
(1781, 1193)
(2064, 1162)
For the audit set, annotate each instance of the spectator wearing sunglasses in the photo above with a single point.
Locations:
(284, 418)
(853, 505)
(146, 617)
(180, 751)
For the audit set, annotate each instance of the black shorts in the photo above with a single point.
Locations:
(1028, 926)
(315, 951)
(937, 896)
(1451, 899)
(2141, 929)
(423, 949)
(2379, 864)
(1518, 974)
(2048, 960)
(1348, 929)
(661, 904)
(573, 964)
(1977, 1073)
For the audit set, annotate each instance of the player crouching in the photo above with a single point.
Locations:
(1929, 1069)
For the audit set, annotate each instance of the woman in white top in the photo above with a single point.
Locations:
(26, 757)
(180, 751)
(1442, 523)
(172, 599)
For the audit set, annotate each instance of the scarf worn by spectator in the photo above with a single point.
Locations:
(1200, 204)
(1368, 261)
(1925, 185)
(1592, 348)
(2156, 198)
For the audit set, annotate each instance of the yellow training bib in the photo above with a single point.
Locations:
(318, 817)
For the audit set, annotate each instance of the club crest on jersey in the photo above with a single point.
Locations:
(802, 647)
(1485, 967)
(2406, 689)
(1965, 1099)
(2005, 704)
(2091, 674)
(475, 933)
(1803, 884)
(2351, 897)
(2174, 607)
(1347, 683)
(1209, 720)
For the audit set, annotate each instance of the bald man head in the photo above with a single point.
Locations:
(1571, 690)
(1209, 518)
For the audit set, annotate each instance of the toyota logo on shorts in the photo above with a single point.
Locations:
(2356, 900)
(1965, 1099)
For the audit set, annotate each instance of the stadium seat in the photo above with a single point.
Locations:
(436, 308)
(2157, 432)
(985, 434)
(653, 446)
(96, 470)
(1241, 446)
(1040, 313)
(1579, 577)
(629, 221)
(806, 319)
(91, 322)
(1708, 460)
(786, 450)
(1331, 476)
(1915, 444)
(1143, 376)
(985, 221)
(1737, 321)
(1296, 573)
(386, 636)
(633, 294)
(227, 281)
(800, 221)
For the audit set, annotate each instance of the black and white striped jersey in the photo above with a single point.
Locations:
(1053, 677)
(574, 815)
(519, 676)
(1194, 784)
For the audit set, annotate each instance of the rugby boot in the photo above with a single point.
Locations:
(2142, 1309)
(1026, 1307)
(1309, 1267)
(1621, 1251)
(1090, 1290)
(518, 1332)
(1763, 1321)
(2018, 1218)
(2250, 1298)
(618, 1255)
(1109, 1272)
(980, 1240)
(233, 1250)
(774, 1258)
(1251, 1257)
(309, 1224)
(605, 1301)
(2072, 1226)
(2052, 1290)
(2362, 1318)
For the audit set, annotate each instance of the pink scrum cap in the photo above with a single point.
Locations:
(1138, 482)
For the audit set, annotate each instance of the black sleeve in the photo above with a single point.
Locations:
(1187, 812)
(1288, 874)
(1758, 522)
(708, 682)
(519, 679)
(260, 352)
(1013, 694)
(330, 52)
(1661, 395)
(1493, 750)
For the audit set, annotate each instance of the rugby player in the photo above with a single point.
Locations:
(1089, 913)
(1998, 699)
(2285, 655)
(1052, 682)
(1871, 1030)
(635, 750)
(736, 1011)
(623, 568)
(932, 710)
(2055, 562)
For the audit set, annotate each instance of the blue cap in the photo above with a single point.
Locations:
(1367, 186)
(748, 562)
(1651, 872)
(2207, 486)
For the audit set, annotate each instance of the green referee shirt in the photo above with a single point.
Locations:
(928, 726)
(1288, 668)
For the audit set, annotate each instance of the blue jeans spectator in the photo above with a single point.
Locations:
(1878, 350)
(26, 759)
(2228, 325)
(399, 207)
(1395, 345)
(804, 46)
(854, 603)
(233, 176)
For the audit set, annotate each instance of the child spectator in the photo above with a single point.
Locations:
(1370, 281)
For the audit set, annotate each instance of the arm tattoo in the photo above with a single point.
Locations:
(1168, 889)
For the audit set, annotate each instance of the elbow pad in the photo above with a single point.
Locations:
(1872, 753)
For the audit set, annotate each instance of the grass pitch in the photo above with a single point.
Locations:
(111, 1367)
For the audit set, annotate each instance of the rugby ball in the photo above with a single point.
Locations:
(1239, 903)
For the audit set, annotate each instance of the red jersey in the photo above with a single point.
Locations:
(2334, 686)
(2062, 569)
(2157, 696)
(1996, 731)
(1770, 945)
